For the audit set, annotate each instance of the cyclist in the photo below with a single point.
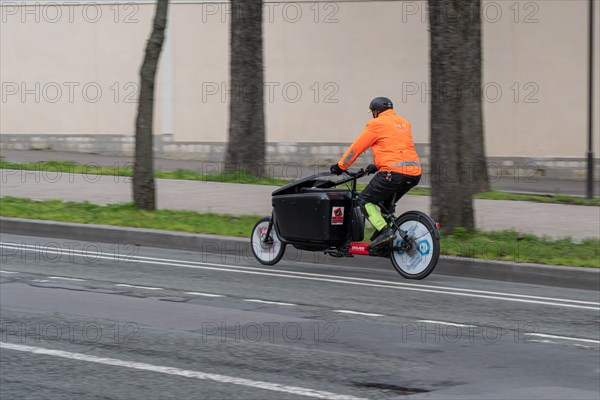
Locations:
(399, 170)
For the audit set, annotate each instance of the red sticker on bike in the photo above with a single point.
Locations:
(337, 216)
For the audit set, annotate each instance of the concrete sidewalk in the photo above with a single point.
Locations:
(554, 220)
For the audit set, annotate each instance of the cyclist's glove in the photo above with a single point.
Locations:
(335, 169)
(371, 169)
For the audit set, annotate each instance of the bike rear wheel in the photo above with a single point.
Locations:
(422, 231)
(271, 251)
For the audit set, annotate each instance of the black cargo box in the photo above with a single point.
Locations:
(313, 216)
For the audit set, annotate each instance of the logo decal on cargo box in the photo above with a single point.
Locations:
(337, 216)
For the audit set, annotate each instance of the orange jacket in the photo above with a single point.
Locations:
(391, 141)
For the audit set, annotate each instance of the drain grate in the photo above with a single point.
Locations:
(394, 388)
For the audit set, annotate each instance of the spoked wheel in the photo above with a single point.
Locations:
(417, 260)
(267, 252)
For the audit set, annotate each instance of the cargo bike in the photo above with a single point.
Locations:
(314, 214)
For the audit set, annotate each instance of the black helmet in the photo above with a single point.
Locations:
(380, 104)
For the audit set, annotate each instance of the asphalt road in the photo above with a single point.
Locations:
(86, 320)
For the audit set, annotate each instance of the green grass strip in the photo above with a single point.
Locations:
(503, 245)
(522, 248)
(126, 214)
(52, 168)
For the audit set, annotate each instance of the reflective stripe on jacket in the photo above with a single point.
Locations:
(391, 141)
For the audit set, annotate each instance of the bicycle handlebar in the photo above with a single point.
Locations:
(353, 176)
(358, 174)
(371, 169)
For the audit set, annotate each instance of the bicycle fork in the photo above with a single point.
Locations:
(267, 239)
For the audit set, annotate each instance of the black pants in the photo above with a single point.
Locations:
(380, 189)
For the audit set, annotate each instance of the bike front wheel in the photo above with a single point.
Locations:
(270, 251)
(425, 237)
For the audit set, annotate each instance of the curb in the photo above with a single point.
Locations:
(223, 246)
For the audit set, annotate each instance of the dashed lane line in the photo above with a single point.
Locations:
(138, 287)
(205, 294)
(358, 313)
(269, 302)
(64, 278)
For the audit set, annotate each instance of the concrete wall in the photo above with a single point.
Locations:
(73, 69)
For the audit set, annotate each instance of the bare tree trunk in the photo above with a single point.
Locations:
(452, 122)
(473, 110)
(144, 193)
(246, 146)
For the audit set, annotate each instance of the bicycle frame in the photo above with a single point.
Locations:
(361, 248)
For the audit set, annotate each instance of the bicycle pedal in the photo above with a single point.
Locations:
(334, 253)
(338, 253)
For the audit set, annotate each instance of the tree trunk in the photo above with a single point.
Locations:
(473, 110)
(456, 117)
(144, 193)
(246, 146)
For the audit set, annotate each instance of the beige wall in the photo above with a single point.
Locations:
(552, 54)
(339, 55)
(78, 57)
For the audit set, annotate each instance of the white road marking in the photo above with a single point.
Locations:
(541, 341)
(41, 280)
(8, 272)
(579, 304)
(541, 335)
(276, 387)
(358, 313)
(269, 302)
(545, 335)
(428, 321)
(138, 287)
(204, 294)
(66, 279)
